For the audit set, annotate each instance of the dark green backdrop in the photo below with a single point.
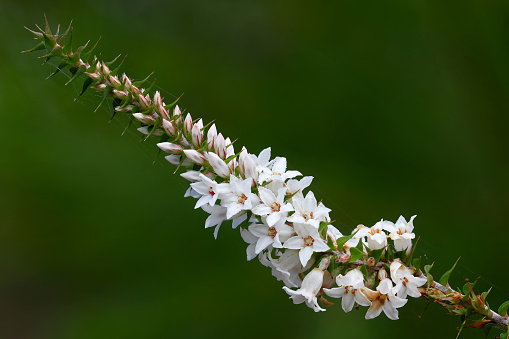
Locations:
(395, 107)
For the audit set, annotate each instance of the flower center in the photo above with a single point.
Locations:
(242, 199)
(272, 232)
(308, 241)
(275, 207)
(211, 191)
(307, 215)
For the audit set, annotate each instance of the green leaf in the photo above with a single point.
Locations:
(356, 254)
(86, 85)
(68, 43)
(428, 268)
(86, 55)
(376, 254)
(502, 310)
(343, 240)
(444, 280)
(417, 264)
(63, 64)
(364, 271)
(504, 335)
(39, 47)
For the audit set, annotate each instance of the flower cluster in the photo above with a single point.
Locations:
(286, 228)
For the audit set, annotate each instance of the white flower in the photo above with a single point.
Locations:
(270, 235)
(406, 283)
(277, 172)
(274, 207)
(240, 198)
(216, 217)
(309, 289)
(383, 300)
(209, 189)
(295, 187)
(349, 290)
(308, 211)
(287, 267)
(218, 165)
(401, 233)
(306, 241)
(251, 239)
(377, 238)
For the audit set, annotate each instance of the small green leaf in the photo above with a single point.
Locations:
(86, 55)
(417, 264)
(63, 64)
(364, 271)
(504, 335)
(502, 310)
(68, 43)
(444, 280)
(356, 254)
(343, 240)
(427, 268)
(39, 47)
(376, 254)
(86, 85)
(429, 279)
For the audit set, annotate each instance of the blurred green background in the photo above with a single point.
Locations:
(395, 107)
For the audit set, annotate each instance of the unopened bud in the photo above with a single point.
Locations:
(195, 156)
(169, 128)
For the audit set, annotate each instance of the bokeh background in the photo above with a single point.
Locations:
(395, 107)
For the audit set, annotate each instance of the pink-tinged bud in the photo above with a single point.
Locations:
(122, 95)
(156, 133)
(247, 165)
(195, 156)
(169, 147)
(95, 76)
(193, 176)
(382, 274)
(106, 70)
(188, 124)
(125, 109)
(344, 257)
(197, 134)
(100, 87)
(218, 165)
(128, 83)
(158, 101)
(114, 81)
(144, 101)
(147, 119)
(220, 146)
(229, 147)
(211, 138)
(177, 115)
(173, 159)
(136, 91)
(163, 112)
(371, 261)
(176, 111)
(232, 165)
(169, 128)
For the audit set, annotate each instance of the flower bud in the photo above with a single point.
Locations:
(115, 82)
(218, 165)
(156, 133)
(163, 112)
(193, 176)
(188, 125)
(147, 119)
(247, 166)
(169, 128)
(105, 70)
(169, 147)
(220, 146)
(158, 101)
(197, 134)
(195, 156)
(178, 115)
(382, 274)
(144, 101)
(125, 109)
(122, 95)
(211, 137)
